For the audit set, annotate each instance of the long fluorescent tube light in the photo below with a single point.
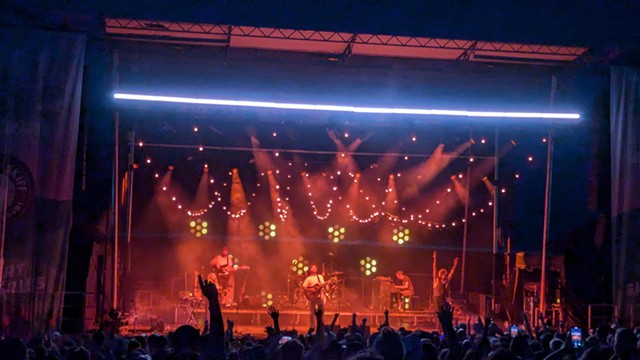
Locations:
(565, 117)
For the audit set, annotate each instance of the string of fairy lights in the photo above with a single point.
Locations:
(282, 208)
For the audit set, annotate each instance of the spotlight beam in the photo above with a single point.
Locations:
(564, 118)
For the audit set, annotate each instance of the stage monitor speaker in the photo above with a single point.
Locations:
(381, 293)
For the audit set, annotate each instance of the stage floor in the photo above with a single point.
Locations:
(254, 321)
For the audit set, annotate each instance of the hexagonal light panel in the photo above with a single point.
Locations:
(336, 233)
(198, 227)
(267, 230)
(299, 266)
(368, 266)
(400, 235)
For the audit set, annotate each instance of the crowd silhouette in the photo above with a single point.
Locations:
(481, 340)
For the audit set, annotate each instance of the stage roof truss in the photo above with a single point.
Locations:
(338, 45)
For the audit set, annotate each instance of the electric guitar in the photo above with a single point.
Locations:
(226, 270)
(314, 292)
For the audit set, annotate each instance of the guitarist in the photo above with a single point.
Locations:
(223, 267)
(312, 286)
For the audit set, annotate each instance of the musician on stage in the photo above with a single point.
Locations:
(223, 267)
(405, 289)
(441, 280)
(312, 286)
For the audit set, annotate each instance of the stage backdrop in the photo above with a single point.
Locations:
(625, 182)
(40, 91)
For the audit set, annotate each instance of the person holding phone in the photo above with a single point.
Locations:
(576, 337)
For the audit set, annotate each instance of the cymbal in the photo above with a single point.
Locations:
(336, 273)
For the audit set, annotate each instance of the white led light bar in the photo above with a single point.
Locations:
(561, 117)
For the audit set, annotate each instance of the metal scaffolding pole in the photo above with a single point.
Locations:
(130, 173)
(547, 207)
(116, 194)
(496, 231)
(466, 231)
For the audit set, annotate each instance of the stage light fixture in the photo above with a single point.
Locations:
(400, 235)
(368, 266)
(336, 233)
(299, 266)
(198, 227)
(267, 298)
(567, 118)
(267, 230)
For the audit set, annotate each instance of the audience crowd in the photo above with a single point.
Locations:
(483, 340)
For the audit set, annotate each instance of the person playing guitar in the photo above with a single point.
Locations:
(224, 268)
(312, 287)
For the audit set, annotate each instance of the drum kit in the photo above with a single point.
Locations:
(332, 291)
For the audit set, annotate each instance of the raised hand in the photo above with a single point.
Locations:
(488, 320)
(269, 330)
(455, 261)
(435, 254)
(209, 290)
(445, 315)
(273, 312)
(230, 324)
(275, 315)
(386, 317)
(319, 311)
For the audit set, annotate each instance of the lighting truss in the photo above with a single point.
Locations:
(338, 42)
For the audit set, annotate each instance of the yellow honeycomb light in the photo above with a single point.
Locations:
(400, 235)
(198, 227)
(267, 230)
(368, 266)
(336, 233)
